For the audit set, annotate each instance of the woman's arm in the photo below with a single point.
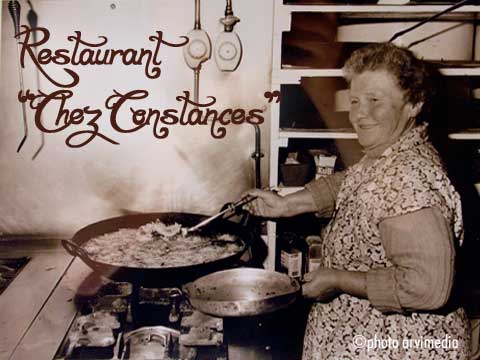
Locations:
(319, 196)
(420, 247)
(324, 284)
(324, 192)
(271, 205)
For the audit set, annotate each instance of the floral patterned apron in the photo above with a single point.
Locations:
(407, 177)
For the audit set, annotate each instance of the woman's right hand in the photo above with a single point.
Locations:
(267, 204)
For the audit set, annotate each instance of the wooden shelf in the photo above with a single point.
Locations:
(317, 134)
(376, 8)
(293, 76)
(473, 134)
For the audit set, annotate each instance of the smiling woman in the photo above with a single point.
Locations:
(379, 112)
(388, 90)
(388, 263)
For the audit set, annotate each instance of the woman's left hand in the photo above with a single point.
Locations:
(321, 285)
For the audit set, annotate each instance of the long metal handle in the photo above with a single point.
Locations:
(197, 15)
(243, 201)
(196, 72)
(196, 85)
(24, 109)
(207, 220)
(73, 249)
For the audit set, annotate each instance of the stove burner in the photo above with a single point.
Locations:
(9, 268)
(155, 342)
(153, 323)
(93, 331)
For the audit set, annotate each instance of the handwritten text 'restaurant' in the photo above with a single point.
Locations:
(126, 113)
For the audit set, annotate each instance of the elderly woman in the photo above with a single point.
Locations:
(388, 252)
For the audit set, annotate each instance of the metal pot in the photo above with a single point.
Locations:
(164, 276)
(242, 292)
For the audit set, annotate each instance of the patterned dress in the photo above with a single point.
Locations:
(407, 177)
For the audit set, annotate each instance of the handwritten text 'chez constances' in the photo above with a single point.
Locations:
(120, 105)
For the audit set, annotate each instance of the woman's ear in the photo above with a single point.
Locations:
(414, 110)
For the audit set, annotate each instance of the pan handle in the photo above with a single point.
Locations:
(73, 249)
(186, 291)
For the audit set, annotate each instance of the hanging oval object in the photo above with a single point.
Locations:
(198, 49)
(228, 51)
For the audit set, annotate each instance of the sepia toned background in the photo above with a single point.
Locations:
(64, 189)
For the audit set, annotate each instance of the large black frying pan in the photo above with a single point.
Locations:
(160, 276)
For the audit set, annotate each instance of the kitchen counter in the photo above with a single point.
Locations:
(36, 309)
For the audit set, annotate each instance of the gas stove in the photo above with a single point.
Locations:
(119, 320)
(57, 308)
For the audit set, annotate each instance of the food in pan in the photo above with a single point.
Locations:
(156, 244)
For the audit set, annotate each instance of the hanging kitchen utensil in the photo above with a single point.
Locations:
(197, 51)
(242, 292)
(14, 9)
(32, 19)
(228, 47)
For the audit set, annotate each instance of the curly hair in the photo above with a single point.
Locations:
(413, 75)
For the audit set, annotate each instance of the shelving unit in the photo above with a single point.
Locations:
(467, 135)
(292, 75)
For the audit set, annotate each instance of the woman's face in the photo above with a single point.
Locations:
(379, 112)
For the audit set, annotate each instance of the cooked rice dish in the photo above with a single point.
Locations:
(158, 245)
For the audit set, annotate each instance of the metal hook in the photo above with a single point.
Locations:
(32, 18)
(14, 9)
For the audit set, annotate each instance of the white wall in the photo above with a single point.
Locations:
(64, 188)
